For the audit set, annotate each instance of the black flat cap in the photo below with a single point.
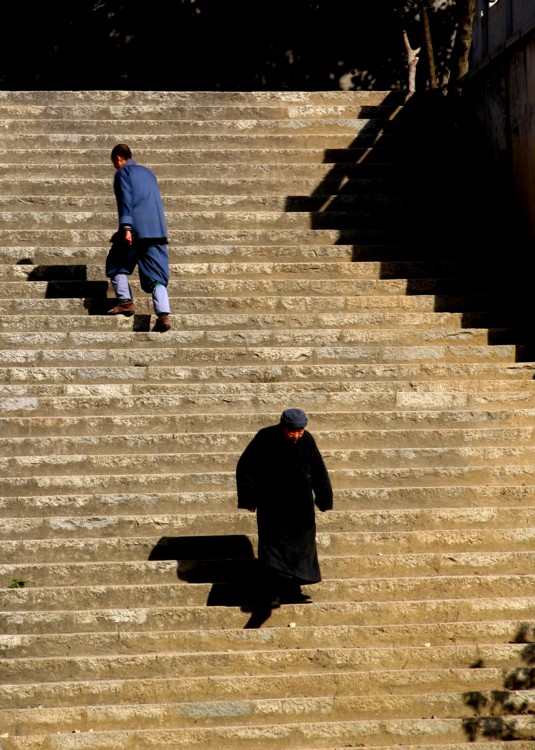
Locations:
(296, 419)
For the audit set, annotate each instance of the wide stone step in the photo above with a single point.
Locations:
(185, 110)
(234, 270)
(338, 218)
(225, 458)
(30, 186)
(241, 572)
(151, 420)
(173, 353)
(55, 300)
(50, 516)
(386, 734)
(234, 339)
(292, 285)
(432, 377)
(471, 474)
(437, 392)
(378, 616)
(140, 641)
(292, 173)
(257, 661)
(226, 527)
(241, 320)
(100, 539)
(95, 445)
(182, 715)
(484, 498)
(176, 153)
(80, 235)
(253, 201)
(62, 256)
(232, 594)
(85, 130)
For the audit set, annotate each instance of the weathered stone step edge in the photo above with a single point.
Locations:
(320, 339)
(174, 151)
(93, 445)
(185, 110)
(128, 642)
(337, 458)
(208, 253)
(433, 477)
(294, 171)
(384, 500)
(113, 597)
(153, 552)
(93, 304)
(426, 376)
(154, 352)
(259, 712)
(81, 235)
(258, 661)
(98, 184)
(140, 421)
(247, 270)
(51, 513)
(313, 284)
(401, 222)
(66, 131)
(373, 614)
(163, 537)
(424, 408)
(253, 201)
(160, 135)
(82, 322)
(149, 98)
(445, 734)
(334, 564)
(374, 394)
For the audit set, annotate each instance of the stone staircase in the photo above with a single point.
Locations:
(334, 251)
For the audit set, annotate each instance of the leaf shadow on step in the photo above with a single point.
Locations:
(495, 710)
(417, 192)
(227, 562)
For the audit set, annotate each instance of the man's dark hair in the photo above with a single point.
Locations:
(121, 149)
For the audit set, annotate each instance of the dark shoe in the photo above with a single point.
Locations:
(296, 596)
(163, 323)
(274, 602)
(123, 308)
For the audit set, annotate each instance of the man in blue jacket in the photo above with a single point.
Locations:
(140, 240)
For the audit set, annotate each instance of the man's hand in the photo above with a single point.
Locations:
(128, 236)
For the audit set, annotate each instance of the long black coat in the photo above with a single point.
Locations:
(283, 482)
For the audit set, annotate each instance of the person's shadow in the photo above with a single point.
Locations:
(227, 562)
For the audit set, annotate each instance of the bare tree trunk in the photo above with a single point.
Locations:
(463, 42)
(412, 57)
(433, 83)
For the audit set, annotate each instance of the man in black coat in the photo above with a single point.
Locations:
(282, 476)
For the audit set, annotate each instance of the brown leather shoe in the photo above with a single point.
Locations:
(162, 324)
(123, 308)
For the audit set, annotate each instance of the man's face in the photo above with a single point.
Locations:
(118, 162)
(292, 434)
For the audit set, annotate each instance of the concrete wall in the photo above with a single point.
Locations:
(500, 89)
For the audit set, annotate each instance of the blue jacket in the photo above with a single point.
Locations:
(139, 202)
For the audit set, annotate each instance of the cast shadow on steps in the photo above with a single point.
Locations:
(227, 562)
(416, 193)
(70, 281)
(495, 710)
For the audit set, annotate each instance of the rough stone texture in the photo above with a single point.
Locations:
(321, 257)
